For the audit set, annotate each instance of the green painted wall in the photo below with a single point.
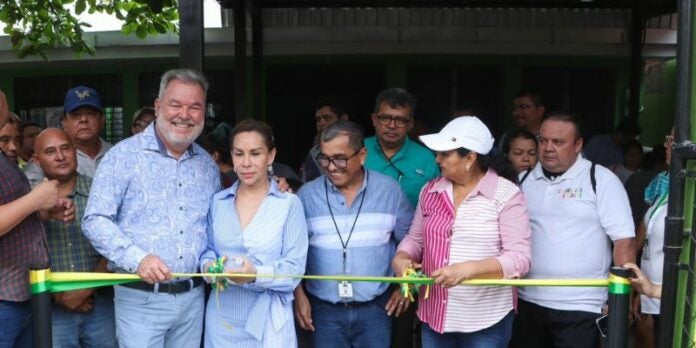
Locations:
(658, 103)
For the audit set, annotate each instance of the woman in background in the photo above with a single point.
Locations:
(520, 146)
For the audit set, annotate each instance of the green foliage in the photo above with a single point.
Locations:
(37, 25)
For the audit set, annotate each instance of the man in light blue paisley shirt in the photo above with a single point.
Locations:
(147, 215)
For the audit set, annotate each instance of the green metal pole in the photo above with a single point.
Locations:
(619, 299)
(40, 284)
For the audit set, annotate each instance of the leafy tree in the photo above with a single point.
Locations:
(37, 25)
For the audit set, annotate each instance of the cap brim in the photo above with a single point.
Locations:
(438, 142)
(92, 105)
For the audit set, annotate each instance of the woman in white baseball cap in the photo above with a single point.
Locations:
(469, 223)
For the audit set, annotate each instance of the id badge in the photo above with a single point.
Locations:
(646, 250)
(345, 289)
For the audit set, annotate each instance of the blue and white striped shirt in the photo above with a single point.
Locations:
(276, 242)
(144, 201)
(384, 220)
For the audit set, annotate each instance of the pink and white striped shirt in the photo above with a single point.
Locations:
(491, 222)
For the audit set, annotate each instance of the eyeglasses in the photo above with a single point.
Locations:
(385, 120)
(341, 163)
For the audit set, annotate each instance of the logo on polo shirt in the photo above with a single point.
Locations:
(570, 193)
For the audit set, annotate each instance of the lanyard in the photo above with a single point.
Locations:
(662, 201)
(400, 174)
(338, 232)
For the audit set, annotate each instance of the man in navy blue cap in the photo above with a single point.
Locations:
(83, 120)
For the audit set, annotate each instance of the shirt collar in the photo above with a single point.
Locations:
(232, 191)
(154, 142)
(571, 173)
(81, 187)
(486, 186)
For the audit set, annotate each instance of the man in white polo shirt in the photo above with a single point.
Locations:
(576, 213)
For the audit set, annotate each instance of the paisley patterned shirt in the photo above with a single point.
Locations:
(144, 201)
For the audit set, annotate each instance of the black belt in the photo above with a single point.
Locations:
(168, 288)
(380, 299)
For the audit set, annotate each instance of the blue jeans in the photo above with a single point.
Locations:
(147, 319)
(15, 324)
(363, 325)
(496, 336)
(96, 328)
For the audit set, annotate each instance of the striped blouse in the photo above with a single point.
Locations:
(491, 222)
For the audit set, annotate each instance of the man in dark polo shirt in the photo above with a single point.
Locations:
(22, 241)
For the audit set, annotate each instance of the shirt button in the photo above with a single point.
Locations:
(181, 257)
(181, 232)
(179, 184)
(72, 266)
(69, 244)
(181, 208)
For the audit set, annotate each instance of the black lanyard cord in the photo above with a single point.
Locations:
(338, 231)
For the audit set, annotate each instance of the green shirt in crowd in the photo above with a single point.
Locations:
(412, 166)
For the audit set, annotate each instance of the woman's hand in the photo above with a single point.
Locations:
(401, 262)
(452, 275)
(247, 267)
(642, 284)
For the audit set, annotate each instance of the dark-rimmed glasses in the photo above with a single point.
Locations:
(400, 122)
(340, 162)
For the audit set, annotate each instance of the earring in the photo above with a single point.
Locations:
(467, 168)
(270, 170)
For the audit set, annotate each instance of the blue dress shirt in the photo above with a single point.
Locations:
(383, 221)
(276, 243)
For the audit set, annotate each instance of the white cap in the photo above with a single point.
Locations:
(464, 131)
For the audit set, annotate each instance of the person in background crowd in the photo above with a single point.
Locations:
(217, 142)
(354, 218)
(520, 146)
(10, 139)
(266, 233)
(576, 213)
(327, 112)
(83, 121)
(527, 111)
(650, 238)
(492, 243)
(653, 163)
(392, 153)
(633, 156)
(147, 215)
(608, 149)
(22, 241)
(28, 132)
(80, 318)
(141, 119)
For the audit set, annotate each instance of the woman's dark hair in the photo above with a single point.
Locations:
(252, 125)
(218, 140)
(499, 162)
(506, 143)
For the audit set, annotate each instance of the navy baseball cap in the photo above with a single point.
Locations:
(80, 96)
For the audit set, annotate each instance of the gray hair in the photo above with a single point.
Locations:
(347, 128)
(188, 76)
